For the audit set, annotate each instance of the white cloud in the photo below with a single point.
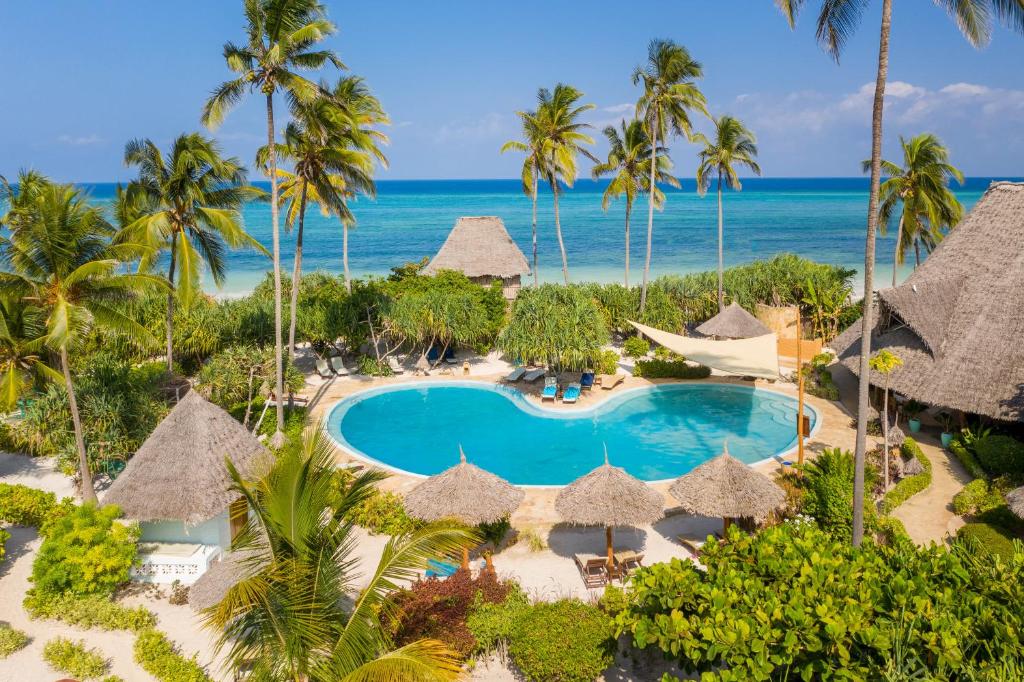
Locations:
(620, 108)
(965, 90)
(80, 140)
(489, 125)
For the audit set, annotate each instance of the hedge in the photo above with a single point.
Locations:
(967, 458)
(75, 658)
(563, 641)
(161, 659)
(87, 612)
(991, 539)
(1001, 454)
(21, 505)
(911, 485)
(669, 369)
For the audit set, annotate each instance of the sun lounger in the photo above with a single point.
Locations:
(695, 541)
(628, 561)
(533, 375)
(433, 354)
(593, 569)
(572, 393)
(440, 569)
(610, 381)
(338, 365)
(515, 375)
(323, 369)
(395, 365)
(587, 381)
(449, 356)
(550, 391)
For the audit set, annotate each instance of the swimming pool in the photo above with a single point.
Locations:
(655, 432)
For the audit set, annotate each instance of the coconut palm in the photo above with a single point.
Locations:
(534, 166)
(296, 611)
(280, 37)
(669, 96)
(22, 352)
(189, 204)
(837, 21)
(629, 158)
(59, 259)
(732, 146)
(921, 187)
(558, 113)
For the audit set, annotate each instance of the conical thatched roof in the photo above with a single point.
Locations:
(465, 492)
(178, 474)
(728, 488)
(957, 321)
(479, 247)
(1015, 501)
(896, 436)
(211, 586)
(608, 496)
(734, 323)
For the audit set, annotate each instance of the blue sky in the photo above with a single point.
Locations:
(451, 74)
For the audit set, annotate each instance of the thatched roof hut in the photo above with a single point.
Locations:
(726, 487)
(957, 321)
(734, 323)
(465, 492)
(212, 585)
(178, 474)
(1015, 501)
(481, 248)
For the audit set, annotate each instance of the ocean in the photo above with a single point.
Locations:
(818, 218)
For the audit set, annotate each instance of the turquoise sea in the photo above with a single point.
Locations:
(820, 218)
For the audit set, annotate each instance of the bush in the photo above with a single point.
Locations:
(4, 537)
(911, 485)
(382, 513)
(438, 609)
(991, 540)
(87, 612)
(161, 659)
(85, 552)
(669, 369)
(492, 623)
(371, 366)
(606, 362)
(557, 325)
(564, 641)
(966, 457)
(1001, 454)
(11, 640)
(819, 381)
(24, 506)
(636, 347)
(972, 497)
(828, 498)
(74, 658)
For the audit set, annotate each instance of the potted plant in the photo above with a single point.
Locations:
(946, 419)
(913, 410)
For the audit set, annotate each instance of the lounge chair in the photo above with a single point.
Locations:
(395, 365)
(610, 381)
(323, 369)
(440, 569)
(533, 375)
(628, 561)
(587, 381)
(433, 354)
(695, 541)
(338, 365)
(449, 356)
(593, 569)
(572, 393)
(515, 375)
(550, 391)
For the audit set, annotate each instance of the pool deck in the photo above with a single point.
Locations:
(538, 508)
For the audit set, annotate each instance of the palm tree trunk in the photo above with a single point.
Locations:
(629, 210)
(278, 438)
(296, 274)
(869, 273)
(536, 275)
(558, 231)
(917, 254)
(885, 435)
(170, 306)
(88, 493)
(650, 216)
(896, 253)
(721, 267)
(344, 256)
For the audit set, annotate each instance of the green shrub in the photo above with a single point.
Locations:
(11, 640)
(818, 381)
(990, 539)
(669, 369)
(21, 505)
(85, 552)
(828, 498)
(74, 658)
(966, 457)
(636, 347)
(606, 362)
(94, 611)
(564, 641)
(491, 623)
(161, 659)
(911, 485)
(972, 497)
(371, 366)
(560, 326)
(822, 359)
(4, 537)
(1001, 454)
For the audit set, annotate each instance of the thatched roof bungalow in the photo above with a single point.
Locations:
(481, 248)
(733, 323)
(958, 321)
(178, 489)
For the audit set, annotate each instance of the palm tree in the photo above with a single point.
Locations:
(295, 611)
(837, 22)
(187, 202)
(733, 145)
(280, 35)
(22, 361)
(921, 185)
(562, 141)
(534, 165)
(629, 158)
(668, 98)
(885, 363)
(59, 259)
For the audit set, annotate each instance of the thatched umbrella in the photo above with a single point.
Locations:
(467, 493)
(609, 497)
(1015, 501)
(734, 323)
(728, 488)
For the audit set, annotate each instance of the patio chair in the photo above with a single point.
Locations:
(395, 365)
(515, 375)
(587, 381)
(610, 381)
(338, 365)
(630, 562)
(572, 393)
(593, 569)
(323, 369)
(533, 375)
(550, 391)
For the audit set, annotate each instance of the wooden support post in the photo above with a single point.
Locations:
(611, 552)
(800, 392)
(465, 558)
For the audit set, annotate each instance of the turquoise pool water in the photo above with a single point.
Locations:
(655, 433)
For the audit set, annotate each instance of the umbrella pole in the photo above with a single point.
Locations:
(611, 553)
(490, 564)
(800, 393)
(726, 522)
(465, 558)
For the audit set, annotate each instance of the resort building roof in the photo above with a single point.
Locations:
(728, 488)
(957, 322)
(734, 323)
(465, 492)
(479, 247)
(178, 474)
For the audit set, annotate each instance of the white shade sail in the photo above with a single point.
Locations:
(756, 357)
